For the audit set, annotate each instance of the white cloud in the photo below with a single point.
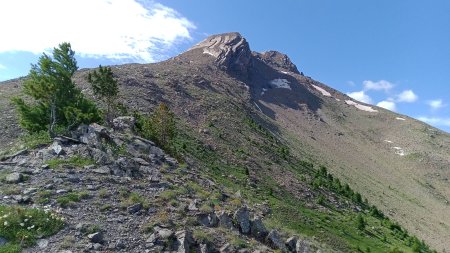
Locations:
(435, 121)
(407, 96)
(116, 29)
(389, 105)
(379, 85)
(436, 104)
(360, 96)
(2, 66)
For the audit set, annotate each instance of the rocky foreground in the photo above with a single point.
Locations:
(118, 192)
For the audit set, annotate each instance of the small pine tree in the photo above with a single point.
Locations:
(57, 101)
(163, 121)
(360, 222)
(106, 87)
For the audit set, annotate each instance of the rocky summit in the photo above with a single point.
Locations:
(264, 159)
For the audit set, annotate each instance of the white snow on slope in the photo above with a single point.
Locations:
(360, 106)
(322, 90)
(388, 141)
(398, 118)
(280, 83)
(399, 151)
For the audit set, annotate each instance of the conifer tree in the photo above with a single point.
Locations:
(57, 102)
(105, 87)
(163, 124)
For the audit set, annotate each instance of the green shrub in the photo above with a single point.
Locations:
(22, 226)
(68, 199)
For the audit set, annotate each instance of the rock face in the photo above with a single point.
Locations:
(277, 60)
(231, 51)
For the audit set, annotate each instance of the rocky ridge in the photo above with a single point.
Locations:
(133, 197)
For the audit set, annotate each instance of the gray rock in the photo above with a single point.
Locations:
(274, 240)
(57, 148)
(96, 237)
(29, 190)
(303, 246)
(291, 243)
(42, 243)
(14, 178)
(61, 191)
(192, 206)
(22, 199)
(97, 246)
(204, 248)
(257, 229)
(225, 220)
(134, 208)
(124, 124)
(164, 233)
(209, 220)
(242, 218)
(104, 170)
(227, 248)
(184, 241)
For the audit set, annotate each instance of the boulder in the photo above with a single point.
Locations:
(303, 246)
(274, 240)
(14, 178)
(57, 148)
(257, 229)
(291, 243)
(184, 241)
(134, 208)
(124, 124)
(96, 237)
(225, 220)
(209, 220)
(242, 219)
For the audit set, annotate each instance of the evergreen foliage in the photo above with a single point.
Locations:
(57, 102)
(159, 127)
(105, 86)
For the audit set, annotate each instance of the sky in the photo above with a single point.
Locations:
(394, 54)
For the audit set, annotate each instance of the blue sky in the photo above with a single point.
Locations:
(393, 52)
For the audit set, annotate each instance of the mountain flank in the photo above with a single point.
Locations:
(336, 174)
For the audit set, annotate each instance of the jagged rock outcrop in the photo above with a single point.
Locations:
(231, 50)
(277, 60)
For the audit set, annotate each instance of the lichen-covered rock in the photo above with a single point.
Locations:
(14, 178)
(242, 219)
(124, 124)
(274, 240)
(257, 229)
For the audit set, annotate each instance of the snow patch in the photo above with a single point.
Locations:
(322, 90)
(284, 72)
(280, 83)
(399, 151)
(360, 106)
(388, 141)
(337, 99)
(398, 118)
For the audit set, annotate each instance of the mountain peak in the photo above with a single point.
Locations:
(231, 50)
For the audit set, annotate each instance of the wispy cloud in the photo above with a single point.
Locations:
(436, 104)
(407, 96)
(2, 66)
(360, 96)
(387, 104)
(116, 29)
(378, 85)
(437, 121)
